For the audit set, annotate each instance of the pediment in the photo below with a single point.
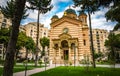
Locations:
(64, 36)
(66, 19)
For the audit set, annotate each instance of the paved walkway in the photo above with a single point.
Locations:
(33, 71)
(36, 70)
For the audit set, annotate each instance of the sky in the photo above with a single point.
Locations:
(59, 6)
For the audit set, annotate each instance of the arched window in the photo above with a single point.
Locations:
(64, 44)
(56, 46)
(72, 45)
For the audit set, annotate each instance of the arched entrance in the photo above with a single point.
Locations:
(65, 48)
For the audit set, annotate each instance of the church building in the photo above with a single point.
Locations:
(69, 38)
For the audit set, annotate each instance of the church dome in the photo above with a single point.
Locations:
(55, 16)
(82, 13)
(70, 11)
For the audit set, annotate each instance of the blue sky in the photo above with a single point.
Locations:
(98, 19)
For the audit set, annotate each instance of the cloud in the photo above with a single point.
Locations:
(58, 8)
(99, 21)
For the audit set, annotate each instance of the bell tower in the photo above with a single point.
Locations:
(83, 17)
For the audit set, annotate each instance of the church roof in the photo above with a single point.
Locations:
(71, 11)
(82, 13)
(55, 16)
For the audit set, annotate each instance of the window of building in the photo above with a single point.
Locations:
(72, 45)
(4, 23)
(83, 34)
(84, 42)
(56, 46)
(97, 32)
(44, 33)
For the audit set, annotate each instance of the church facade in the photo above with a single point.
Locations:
(69, 38)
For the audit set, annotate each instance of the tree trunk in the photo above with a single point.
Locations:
(113, 56)
(26, 62)
(91, 40)
(37, 39)
(11, 49)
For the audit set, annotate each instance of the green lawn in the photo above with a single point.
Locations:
(18, 68)
(15, 70)
(79, 71)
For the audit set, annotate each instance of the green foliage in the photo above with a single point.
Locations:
(29, 44)
(8, 11)
(113, 41)
(4, 36)
(117, 26)
(42, 5)
(106, 3)
(40, 62)
(113, 44)
(22, 41)
(70, 63)
(79, 71)
(97, 55)
(22, 38)
(44, 42)
(113, 13)
(87, 5)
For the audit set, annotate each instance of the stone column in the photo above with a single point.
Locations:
(59, 55)
(69, 53)
(76, 56)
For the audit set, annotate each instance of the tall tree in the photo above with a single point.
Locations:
(43, 6)
(89, 6)
(44, 42)
(29, 45)
(113, 45)
(4, 38)
(22, 38)
(15, 17)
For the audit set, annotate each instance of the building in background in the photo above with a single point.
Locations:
(31, 31)
(4, 22)
(99, 37)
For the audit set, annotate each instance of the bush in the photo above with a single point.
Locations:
(2, 62)
(70, 63)
(40, 62)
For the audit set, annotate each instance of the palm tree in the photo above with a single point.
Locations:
(89, 6)
(43, 6)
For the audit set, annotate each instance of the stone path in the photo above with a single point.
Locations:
(33, 71)
(36, 70)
